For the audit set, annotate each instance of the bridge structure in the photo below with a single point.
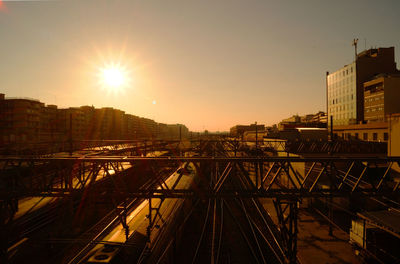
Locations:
(217, 163)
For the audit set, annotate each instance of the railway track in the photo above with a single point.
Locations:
(36, 219)
(105, 234)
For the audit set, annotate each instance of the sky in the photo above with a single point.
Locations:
(206, 64)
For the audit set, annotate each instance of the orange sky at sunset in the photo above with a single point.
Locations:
(206, 64)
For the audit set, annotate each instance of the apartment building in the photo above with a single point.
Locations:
(19, 119)
(381, 97)
(29, 120)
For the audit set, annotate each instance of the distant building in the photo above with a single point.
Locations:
(345, 87)
(320, 117)
(176, 131)
(254, 136)
(28, 120)
(238, 130)
(317, 120)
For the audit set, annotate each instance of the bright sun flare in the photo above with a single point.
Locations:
(113, 77)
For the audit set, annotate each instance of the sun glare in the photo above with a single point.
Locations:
(113, 78)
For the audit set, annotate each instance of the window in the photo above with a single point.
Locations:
(385, 136)
(365, 136)
(375, 136)
(356, 135)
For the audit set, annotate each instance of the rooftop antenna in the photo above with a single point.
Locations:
(355, 46)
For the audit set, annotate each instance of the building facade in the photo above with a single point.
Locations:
(24, 120)
(377, 131)
(381, 98)
(342, 95)
(238, 131)
(317, 120)
(394, 139)
(345, 87)
(19, 119)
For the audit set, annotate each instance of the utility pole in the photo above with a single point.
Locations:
(256, 137)
(180, 140)
(70, 134)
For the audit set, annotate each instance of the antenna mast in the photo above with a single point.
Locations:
(355, 47)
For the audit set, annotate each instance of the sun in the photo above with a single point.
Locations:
(113, 77)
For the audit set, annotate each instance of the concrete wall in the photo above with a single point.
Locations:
(358, 131)
(392, 95)
(394, 139)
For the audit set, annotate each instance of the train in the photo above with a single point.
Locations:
(118, 245)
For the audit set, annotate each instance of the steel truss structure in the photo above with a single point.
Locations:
(325, 147)
(287, 210)
(275, 177)
(47, 149)
(286, 179)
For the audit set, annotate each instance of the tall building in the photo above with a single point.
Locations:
(24, 120)
(381, 97)
(19, 119)
(50, 124)
(72, 123)
(345, 87)
(130, 126)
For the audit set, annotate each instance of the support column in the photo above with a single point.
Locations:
(287, 212)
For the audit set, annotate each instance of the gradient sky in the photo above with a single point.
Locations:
(207, 64)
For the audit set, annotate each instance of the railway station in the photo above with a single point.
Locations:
(205, 200)
(222, 132)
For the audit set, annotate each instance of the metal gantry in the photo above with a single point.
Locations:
(277, 176)
(286, 179)
(321, 147)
